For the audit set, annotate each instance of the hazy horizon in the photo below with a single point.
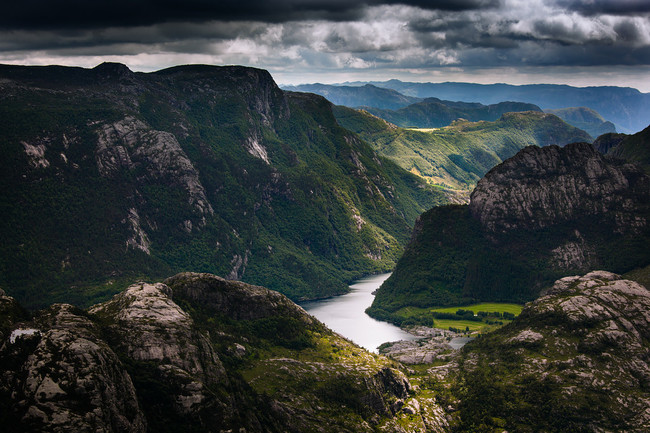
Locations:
(595, 43)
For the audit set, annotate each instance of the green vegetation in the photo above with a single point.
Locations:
(635, 148)
(434, 113)
(452, 261)
(483, 317)
(325, 210)
(491, 307)
(457, 156)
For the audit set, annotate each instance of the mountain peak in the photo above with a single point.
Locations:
(113, 70)
(541, 187)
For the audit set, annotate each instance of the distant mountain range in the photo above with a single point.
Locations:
(627, 108)
(457, 156)
(366, 95)
(435, 113)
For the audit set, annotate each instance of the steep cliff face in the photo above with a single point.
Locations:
(110, 175)
(59, 375)
(540, 215)
(605, 142)
(576, 359)
(634, 148)
(196, 353)
(541, 187)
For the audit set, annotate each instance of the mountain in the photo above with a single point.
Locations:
(199, 353)
(586, 119)
(540, 215)
(109, 175)
(627, 108)
(574, 360)
(358, 96)
(435, 113)
(196, 353)
(608, 141)
(634, 148)
(457, 156)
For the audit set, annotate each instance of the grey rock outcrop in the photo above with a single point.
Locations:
(62, 377)
(221, 362)
(541, 187)
(585, 343)
(130, 143)
(238, 300)
(149, 327)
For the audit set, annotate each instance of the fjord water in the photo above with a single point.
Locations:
(346, 315)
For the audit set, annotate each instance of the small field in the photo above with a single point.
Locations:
(423, 129)
(487, 307)
(475, 318)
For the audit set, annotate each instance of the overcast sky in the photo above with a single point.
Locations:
(587, 42)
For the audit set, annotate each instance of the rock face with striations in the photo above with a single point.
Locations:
(146, 326)
(576, 359)
(543, 214)
(541, 187)
(59, 375)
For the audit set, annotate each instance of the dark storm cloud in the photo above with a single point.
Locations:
(184, 36)
(88, 14)
(534, 53)
(611, 7)
(465, 31)
(331, 36)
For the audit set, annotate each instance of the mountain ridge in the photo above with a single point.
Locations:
(190, 354)
(540, 215)
(110, 175)
(459, 155)
(626, 107)
(436, 113)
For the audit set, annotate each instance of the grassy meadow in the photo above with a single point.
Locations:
(486, 316)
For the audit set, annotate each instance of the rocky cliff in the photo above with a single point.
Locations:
(540, 215)
(633, 148)
(110, 175)
(196, 353)
(542, 187)
(576, 359)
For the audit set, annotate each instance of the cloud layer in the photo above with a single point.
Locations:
(336, 37)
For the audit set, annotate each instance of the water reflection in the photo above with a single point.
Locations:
(346, 315)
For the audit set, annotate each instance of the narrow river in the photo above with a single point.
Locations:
(346, 315)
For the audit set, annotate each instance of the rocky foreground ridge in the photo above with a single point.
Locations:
(543, 214)
(195, 353)
(576, 360)
(199, 353)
